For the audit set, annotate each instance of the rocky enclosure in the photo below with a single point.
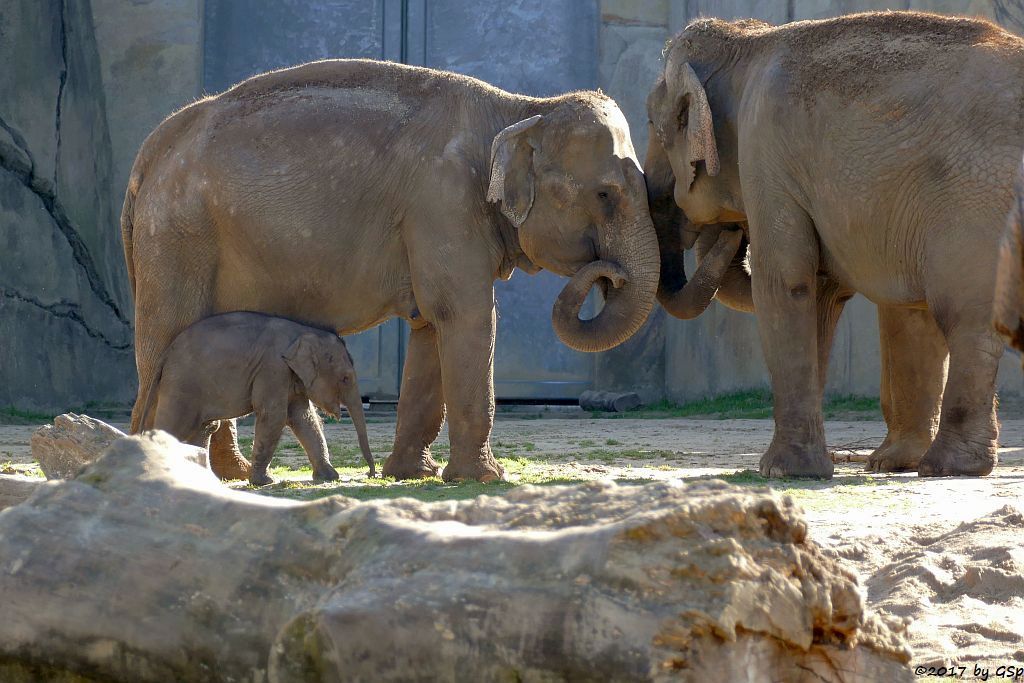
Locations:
(64, 304)
(146, 568)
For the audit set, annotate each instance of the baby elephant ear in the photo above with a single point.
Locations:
(512, 170)
(301, 357)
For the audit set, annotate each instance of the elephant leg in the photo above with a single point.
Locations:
(914, 358)
(270, 422)
(785, 285)
(185, 425)
(466, 345)
(420, 410)
(226, 459)
(965, 444)
(309, 430)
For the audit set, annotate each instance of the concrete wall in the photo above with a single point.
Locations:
(720, 351)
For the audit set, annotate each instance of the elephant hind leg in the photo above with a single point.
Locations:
(914, 363)
(173, 289)
(420, 410)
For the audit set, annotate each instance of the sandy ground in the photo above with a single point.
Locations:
(947, 554)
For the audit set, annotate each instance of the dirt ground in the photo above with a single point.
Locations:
(947, 554)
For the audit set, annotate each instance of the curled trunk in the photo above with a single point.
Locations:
(629, 261)
(679, 296)
(734, 290)
(694, 297)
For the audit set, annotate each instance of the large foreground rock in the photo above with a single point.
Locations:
(73, 441)
(145, 568)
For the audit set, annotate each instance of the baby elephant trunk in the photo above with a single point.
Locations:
(354, 403)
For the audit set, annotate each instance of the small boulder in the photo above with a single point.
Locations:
(73, 441)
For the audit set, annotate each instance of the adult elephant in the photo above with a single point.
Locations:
(870, 153)
(343, 193)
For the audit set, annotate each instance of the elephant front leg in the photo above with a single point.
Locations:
(785, 296)
(309, 430)
(420, 410)
(914, 358)
(226, 459)
(466, 345)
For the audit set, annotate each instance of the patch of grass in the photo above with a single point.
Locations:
(586, 442)
(11, 415)
(612, 442)
(755, 404)
(750, 405)
(853, 407)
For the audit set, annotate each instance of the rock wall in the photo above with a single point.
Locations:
(65, 336)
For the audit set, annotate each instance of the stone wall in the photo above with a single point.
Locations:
(720, 351)
(65, 336)
(83, 83)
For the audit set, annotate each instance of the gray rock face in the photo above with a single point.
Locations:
(177, 578)
(63, 293)
(73, 441)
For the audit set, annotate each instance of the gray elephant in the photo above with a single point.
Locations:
(871, 153)
(233, 364)
(343, 193)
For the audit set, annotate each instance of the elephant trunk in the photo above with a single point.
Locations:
(735, 289)
(629, 261)
(354, 403)
(695, 295)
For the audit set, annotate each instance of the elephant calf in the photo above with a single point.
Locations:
(233, 364)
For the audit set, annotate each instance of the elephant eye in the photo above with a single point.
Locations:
(602, 194)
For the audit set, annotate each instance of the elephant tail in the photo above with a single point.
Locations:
(151, 394)
(127, 228)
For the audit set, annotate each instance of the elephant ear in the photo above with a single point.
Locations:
(691, 105)
(302, 358)
(512, 170)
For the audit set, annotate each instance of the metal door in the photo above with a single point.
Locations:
(537, 47)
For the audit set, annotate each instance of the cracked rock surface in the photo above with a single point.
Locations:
(145, 568)
(63, 296)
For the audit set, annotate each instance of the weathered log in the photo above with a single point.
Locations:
(609, 401)
(73, 441)
(145, 568)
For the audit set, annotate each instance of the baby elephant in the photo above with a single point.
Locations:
(234, 364)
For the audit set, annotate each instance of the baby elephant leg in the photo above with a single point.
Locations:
(269, 425)
(309, 430)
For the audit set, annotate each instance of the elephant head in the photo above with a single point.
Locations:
(322, 363)
(569, 181)
(692, 172)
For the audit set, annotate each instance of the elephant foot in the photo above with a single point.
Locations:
(949, 458)
(478, 467)
(260, 479)
(419, 465)
(796, 460)
(231, 465)
(897, 455)
(326, 474)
